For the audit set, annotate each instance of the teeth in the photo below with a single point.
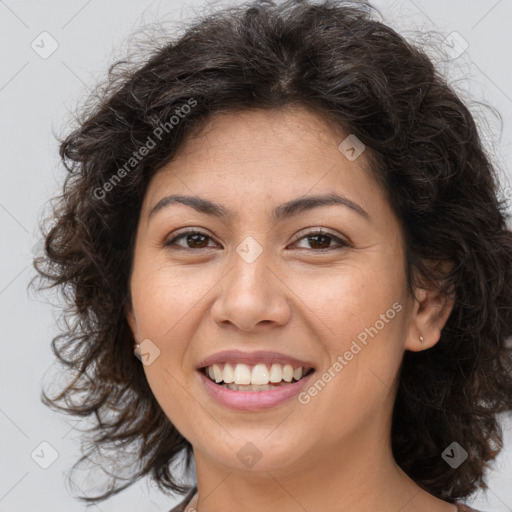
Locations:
(228, 375)
(276, 373)
(260, 375)
(217, 374)
(297, 373)
(242, 374)
(287, 373)
(255, 387)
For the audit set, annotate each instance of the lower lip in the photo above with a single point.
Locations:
(253, 400)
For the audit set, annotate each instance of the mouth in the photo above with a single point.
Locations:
(253, 397)
(254, 378)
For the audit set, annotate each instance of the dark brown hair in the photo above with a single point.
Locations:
(337, 59)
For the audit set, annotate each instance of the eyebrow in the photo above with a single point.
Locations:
(281, 212)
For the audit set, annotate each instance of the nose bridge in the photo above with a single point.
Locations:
(250, 293)
(250, 268)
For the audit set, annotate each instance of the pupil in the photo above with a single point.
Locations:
(195, 241)
(324, 237)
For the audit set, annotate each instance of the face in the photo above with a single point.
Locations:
(256, 281)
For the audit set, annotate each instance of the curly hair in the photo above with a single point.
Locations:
(334, 58)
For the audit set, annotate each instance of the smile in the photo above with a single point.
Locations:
(253, 396)
(257, 377)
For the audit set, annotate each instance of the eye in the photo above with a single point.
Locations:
(321, 241)
(195, 238)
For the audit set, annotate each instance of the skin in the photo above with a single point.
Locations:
(333, 453)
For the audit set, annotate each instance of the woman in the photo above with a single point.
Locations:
(289, 216)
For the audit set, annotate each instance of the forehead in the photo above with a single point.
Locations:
(250, 157)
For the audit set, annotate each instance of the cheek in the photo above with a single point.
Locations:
(357, 314)
(168, 303)
(163, 297)
(344, 300)
(164, 306)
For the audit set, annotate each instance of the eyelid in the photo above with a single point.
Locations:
(187, 231)
(319, 231)
(342, 242)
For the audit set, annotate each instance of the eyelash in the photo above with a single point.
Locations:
(189, 232)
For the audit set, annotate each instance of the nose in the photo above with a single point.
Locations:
(252, 296)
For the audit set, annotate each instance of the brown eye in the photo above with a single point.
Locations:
(321, 241)
(193, 240)
(318, 241)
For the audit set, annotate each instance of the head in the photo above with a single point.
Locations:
(418, 247)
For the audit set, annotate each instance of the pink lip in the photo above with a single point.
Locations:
(253, 400)
(262, 356)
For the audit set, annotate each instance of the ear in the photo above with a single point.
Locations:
(429, 315)
(132, 322)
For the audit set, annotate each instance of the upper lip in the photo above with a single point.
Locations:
(261, 356)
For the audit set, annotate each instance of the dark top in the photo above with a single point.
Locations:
(461, 507)
(182, 507)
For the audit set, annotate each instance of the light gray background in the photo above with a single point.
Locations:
(35, 95)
